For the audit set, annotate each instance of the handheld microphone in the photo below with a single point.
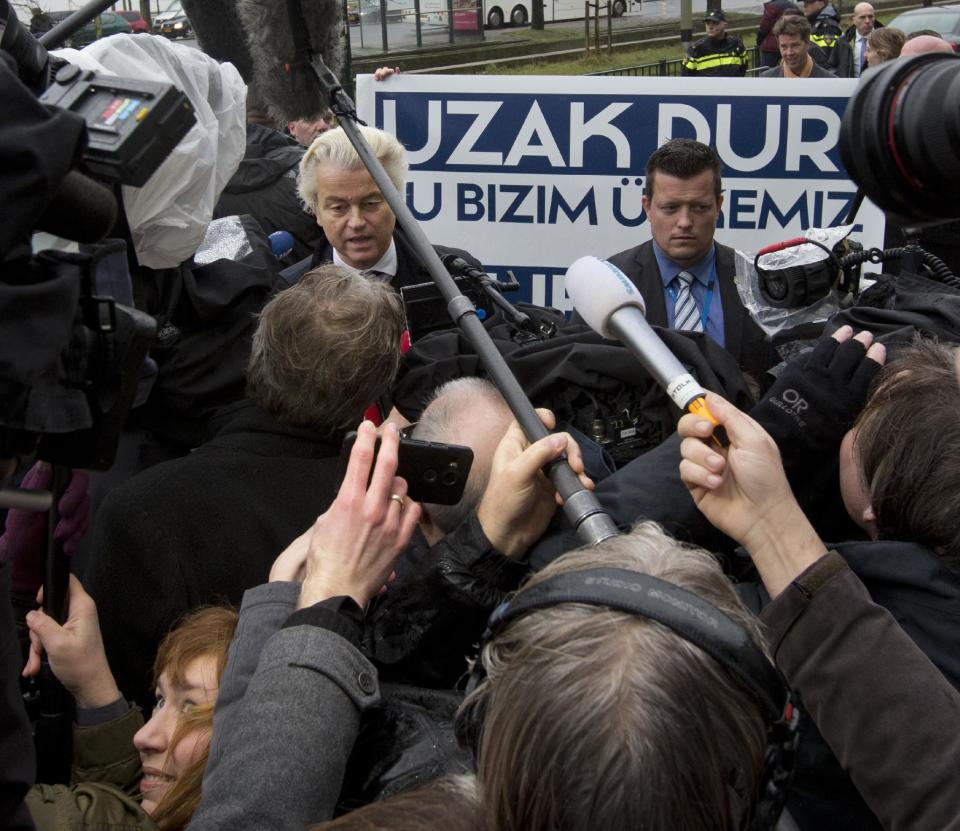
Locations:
(613, 307)
(281, 243)
(457, 265)
(276, 42)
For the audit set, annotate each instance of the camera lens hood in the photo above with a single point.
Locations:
(900, 135)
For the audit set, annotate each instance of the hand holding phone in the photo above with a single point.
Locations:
(355, 543)
(435, 472)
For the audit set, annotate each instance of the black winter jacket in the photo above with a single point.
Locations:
(827, 34)
(923, 593)
(265, 186)
(202, 529)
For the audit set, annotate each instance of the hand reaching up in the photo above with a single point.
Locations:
(743, 491)
(520, 500)
(74, 650)
(353, 546)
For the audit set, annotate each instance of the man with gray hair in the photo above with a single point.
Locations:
(359, 230)
(206, 527)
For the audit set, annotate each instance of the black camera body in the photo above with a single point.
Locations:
(105, 361)
(806, 283)
(132, 124)
(70, 404)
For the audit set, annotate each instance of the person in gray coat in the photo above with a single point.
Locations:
(296, 684)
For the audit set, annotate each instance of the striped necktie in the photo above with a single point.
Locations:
(686, 313)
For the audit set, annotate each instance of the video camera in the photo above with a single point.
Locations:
(73, 358)
(901, 157)
(118, 131)
(426, 311)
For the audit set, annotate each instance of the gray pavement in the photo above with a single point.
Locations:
(367, 39)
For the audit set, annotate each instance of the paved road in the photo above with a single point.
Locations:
(367, 39)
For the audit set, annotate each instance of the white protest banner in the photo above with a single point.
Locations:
(528, 173)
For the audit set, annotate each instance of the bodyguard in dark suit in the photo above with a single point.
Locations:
(686, 277)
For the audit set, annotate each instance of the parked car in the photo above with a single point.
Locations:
(137, 24)
(942, 19)
(174, 9)
(108, 23)
(176, 27)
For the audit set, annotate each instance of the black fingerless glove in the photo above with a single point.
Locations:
(817, 398)
(807, 411)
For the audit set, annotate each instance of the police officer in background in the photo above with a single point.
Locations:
(827, 34)
(718, 54)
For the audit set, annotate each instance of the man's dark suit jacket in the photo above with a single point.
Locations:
(744, 339)
(850, 36)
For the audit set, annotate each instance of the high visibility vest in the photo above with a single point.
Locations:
(705, 57)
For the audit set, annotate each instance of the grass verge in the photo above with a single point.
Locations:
(594, 63)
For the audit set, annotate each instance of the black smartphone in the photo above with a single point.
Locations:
(435, 472)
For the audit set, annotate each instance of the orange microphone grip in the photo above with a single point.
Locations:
(699, 408)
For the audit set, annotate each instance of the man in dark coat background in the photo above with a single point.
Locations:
(827, 34)
(801, 58)
(766, 43)
(203, 528)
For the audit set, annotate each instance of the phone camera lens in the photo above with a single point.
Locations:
(449, 478)
(430, 476)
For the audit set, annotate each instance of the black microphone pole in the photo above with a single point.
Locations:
(76, 21)
(581, 507)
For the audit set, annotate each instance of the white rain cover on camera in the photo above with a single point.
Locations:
(771, 318)
(169, 214)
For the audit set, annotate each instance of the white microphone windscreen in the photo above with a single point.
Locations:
(598, 288)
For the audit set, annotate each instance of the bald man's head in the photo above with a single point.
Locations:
(925, 43)
(863, 18)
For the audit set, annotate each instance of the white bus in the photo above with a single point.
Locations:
(496, 13)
